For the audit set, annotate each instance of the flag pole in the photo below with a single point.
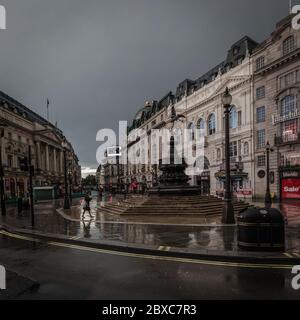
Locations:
(47, 109)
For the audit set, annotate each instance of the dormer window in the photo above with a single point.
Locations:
(260, 62)
(235, 50)
(288, 45)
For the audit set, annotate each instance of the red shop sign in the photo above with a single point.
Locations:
(290, 188)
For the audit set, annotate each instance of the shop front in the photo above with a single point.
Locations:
(240, 184)
(203, 181)
(290, 183)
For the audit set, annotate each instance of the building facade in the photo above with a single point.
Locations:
(200, 102)
(110, 173)
(23, 128)
(277, 116)
(264, 82)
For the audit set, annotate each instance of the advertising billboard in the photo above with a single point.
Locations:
(290, 188)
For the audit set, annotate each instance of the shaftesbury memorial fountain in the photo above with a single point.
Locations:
(173, 180)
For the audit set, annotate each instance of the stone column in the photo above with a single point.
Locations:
(3, 151)
(61, 158)
(54, 162)
(38, 155)
(47, 157)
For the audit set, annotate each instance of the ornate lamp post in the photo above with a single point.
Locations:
(228, 212)
(268, 199)
(2, 195)
(66, 195)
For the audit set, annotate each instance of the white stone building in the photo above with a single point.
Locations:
(200, 102)
(23, 127)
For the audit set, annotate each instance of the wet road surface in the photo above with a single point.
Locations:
(112, 228)
(66, 273)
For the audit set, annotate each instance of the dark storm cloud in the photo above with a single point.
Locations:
(98, 61)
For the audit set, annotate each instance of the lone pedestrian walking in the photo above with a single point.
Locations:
(86, 206)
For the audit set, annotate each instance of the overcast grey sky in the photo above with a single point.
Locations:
(98, 60)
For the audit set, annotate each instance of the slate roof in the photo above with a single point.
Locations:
(235, 55)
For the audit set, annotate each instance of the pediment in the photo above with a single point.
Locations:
(50, 135)
(230, 82)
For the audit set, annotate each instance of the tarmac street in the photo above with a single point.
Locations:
(70, 272)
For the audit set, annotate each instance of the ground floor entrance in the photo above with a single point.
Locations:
(203, 181)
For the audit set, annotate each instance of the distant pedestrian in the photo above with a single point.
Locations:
(86, 205)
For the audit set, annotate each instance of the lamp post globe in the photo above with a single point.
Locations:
(226, 98)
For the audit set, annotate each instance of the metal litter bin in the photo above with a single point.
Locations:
(261, 229)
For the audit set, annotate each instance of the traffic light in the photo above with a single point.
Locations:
(24, 164)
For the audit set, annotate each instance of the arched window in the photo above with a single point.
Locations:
(212, 124)
(191, 127)
(233, 118)
(201, 127)
(288, 45)
(246, 148)
(288, 105)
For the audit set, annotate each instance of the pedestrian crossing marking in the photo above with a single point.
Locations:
(288, 255)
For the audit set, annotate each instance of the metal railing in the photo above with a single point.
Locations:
(287, 138)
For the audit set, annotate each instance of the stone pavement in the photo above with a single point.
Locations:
(207, 235)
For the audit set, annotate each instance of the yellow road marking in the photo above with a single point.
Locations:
(75, 237)
(149, 256)
(163, 248)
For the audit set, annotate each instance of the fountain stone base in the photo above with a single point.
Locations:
(173, 181)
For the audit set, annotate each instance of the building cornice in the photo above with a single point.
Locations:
(278, 63)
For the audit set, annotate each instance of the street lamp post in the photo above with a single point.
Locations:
(118, 170)
(2, 195)
(31, 172)
(66, 196)
(228, 212)
(70, 179)
(268, 199)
